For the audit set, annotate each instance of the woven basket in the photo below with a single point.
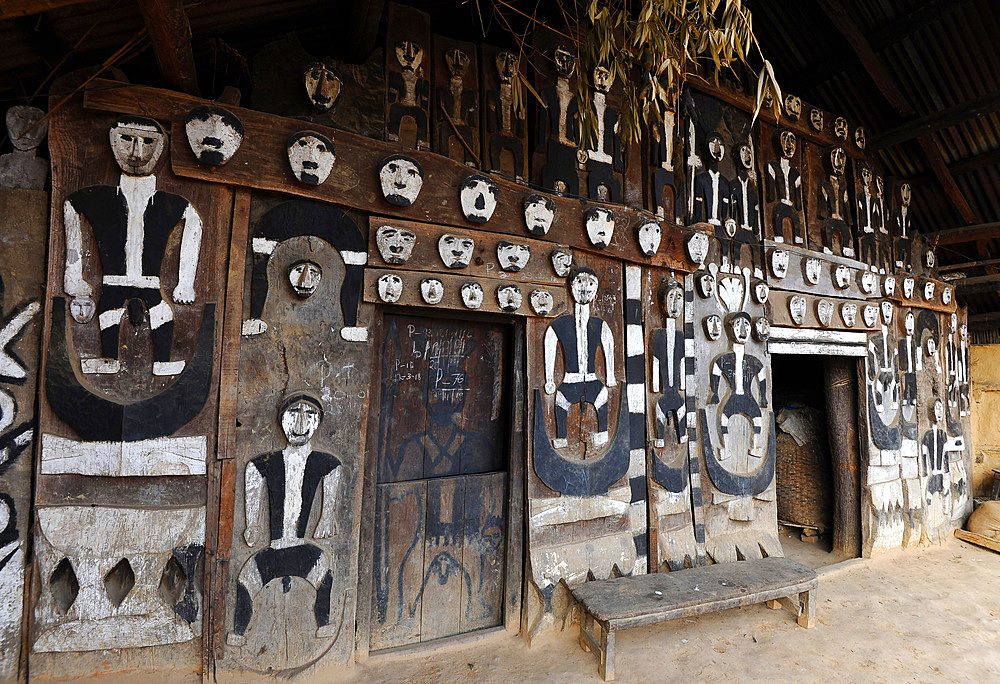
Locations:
(804, 481)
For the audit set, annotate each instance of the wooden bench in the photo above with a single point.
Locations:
(624, 602)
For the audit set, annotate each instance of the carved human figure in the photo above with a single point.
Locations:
(509, 297)
(883, 383)
(649, 234)
(743, 374)
(539, 211)
(472, 295)
(394, 244)
(401, 179)
(460, 113)
(455, 251)
(290, 481)
(835, 207)
(668, 374)
(322, 85)
(505, 123)
(390, 287)
(214, 134)
(304, 276)
(542, 302)
(910, 362)
(23, 168)
(868, 218)
(131, 223)
(558, 128)
(512, 256)
(311, 156)
(711, 189)
(934, 466)
(745, 213)
(580, 336)
(604, 149)
(904, 243)
(562, 262)
(431, 290)
(963, 378)
(784, 187)
(600, 225)
(662, 159)
(408, 93)
(478, 198)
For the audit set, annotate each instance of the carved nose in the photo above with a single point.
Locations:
(480, 202)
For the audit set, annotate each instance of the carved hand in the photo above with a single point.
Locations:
(252, 534)
(550, 387)
(183, 295)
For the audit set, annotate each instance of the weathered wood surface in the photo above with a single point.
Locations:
(773, 185)
(505, 128)
(781, 312)
(839, 382)
(408, 98)
(795, 280)
(978, 540)
(163, 491)
(455, 109)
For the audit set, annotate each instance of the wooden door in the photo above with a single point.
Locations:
(440, 501)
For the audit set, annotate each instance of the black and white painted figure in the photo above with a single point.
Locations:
(394, 244)
(580, 335)
(509, 297)
(711, 189)
(824, 312)
(793, 107)
(859, 137)
(934, 466)
(401, 179)
(668, 373)
(889, 286)
(662, 159)
(600, 225)
(816, 119)
(132, 223)
(472, 295)
(849, 313)
(904, 243)
(761, 291)
(478, 198)
(840, 128)
(713, 326)
(304, 276)
(835, 206)
(870, 315)
(946, 295)
(290, 481)
(541, 302)
(539, 211)
(797, 309)
(455, 251)
(779, 263)
(649, 233)
(431, 290)
(311, 156)
(910, 362)
(841, 276)
(930, 259)
(214, 134)
(745, 211)
(460, 113)
(908, 287)
(512, 256)
(604, 149)
(929, 291)
(562, 262)
(696, 245)
(390, 288)
(23, 168)
(743, 374)
(706, 285)
(322, 85)
(558, 128)
(784, 187)
(887, 310)
(504, 121)
(408, 93)
(761, 329)
(880, 222)
(811, 269)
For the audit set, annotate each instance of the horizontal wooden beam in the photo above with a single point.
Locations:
(984, 321)
(952, 116)
(982, 263)
(967, 165)
(954, 236)
(978, 284)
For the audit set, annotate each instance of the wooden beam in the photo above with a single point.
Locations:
(952, 116)
(20, 8)
(170, 33)
(954, 236)
(983, 263)
(978, 284)
(985, 321)
(967, 165)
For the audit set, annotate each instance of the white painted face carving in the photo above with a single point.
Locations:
(401, 179)
(512, 257)
(713, 326)
(706, 285)
(673, 301)
(840, 128)
(908, 285)
(565, 62)
(600, 223)
(538, 214)
(929, 290)
(746, 156)
(797, 309)
(953, 322)
(779, 263)
(390, 287)
(603, 79)
(816, 119)
(509, 297)
(650, 234)
(868, 282)
(788, 144)
(562, 262)
(409, 55)
(697, 246)
(849, 313)
(930, 259)
(887, 312)
(930, 346)
(841, 276)
(908, 322)
(716, 150)
(761, 291)
(889, 286)
(82, 309)
(472, 295)
(859, 138)
(455, 251)
(478, 198)
(946, 295)
(905, 194)
(311, 156)
(431, 290)
(762, 329)
(541, 302)
(739, 327)
(964, 331)
(938, 411)
(812, 270)
(137, 143)
(394, 244)
(20, 119)
(300, 420)
(824, 312)
(583, 286)
(304, 277)
(870, 315)
(793, 107)
(214, 134)
(322, 86)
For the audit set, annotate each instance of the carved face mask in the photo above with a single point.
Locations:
(472, 295)
(562, 262)
(565, 62)
(746, 156)
(840, 128)
(887, 312)
(797, 309)
(946, 295)
(930, 258)
(841, 276)
(390, 287)
(394, 244)
(938, 412)
(697, 246)
(761, 291)
(20, 119)
(512, 257)
(859, 138)
(457, 62)
(322, 86)
(506, 63)
(431, 290)
(214, 134)
(788, 143)
(849, 312)
(409, 55)
(739, 328)
(870, 315)
(869, 281)
(905, 194)
(793, 107)
(584, 287)
(509, 298)
(816, 119)
(401, 179)
(812, 270)
(838, 160)
(82, 309)
(713, 326)
(706, 285)
(930, 347)
(824, 312)
(538, 214)
(716, 150)
(541, 302)
(908, 285)
(650, 234)
(889, 286)
(761, 329)
(137, 143)
(299, 422)
(964, 332)
(304, 277)
(673, 301)
(908, 323)
(928, 291)
(600, 223)
(779, 263)
(953, 323)
(478, 198)
(456, 252)
(311, 156)
(602, 80)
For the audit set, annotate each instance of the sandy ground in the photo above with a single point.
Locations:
(921, 615)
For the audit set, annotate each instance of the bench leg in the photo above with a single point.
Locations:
(606, 668)
(807, 615)
(773, 604)
(585, 621)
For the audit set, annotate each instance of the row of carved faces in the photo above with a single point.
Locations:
(793, 110)
(739, 326)
(508, 295)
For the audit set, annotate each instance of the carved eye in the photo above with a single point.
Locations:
(127, 138)
(302, 143)
(412, 172)
(148, 141)
(321, 147)
(393, 168)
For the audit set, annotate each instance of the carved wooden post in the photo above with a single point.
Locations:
(841, 408)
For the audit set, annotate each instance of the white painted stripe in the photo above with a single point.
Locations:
(814, 335)
(263, 245)
(637, 463)
(806, 348)
(353, 258)
(633, 340)
(633, 282)
(636, 398)
(357, 334)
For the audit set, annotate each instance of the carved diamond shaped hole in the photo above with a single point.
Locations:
(64, 585)
(119, 582)
(172, 582)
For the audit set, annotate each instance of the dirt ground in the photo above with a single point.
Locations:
(922, 615)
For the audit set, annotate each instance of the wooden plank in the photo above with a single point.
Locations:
(816, 348)
(841, 311)
(947, 268)
(978, 540)
(455, 100)
(162, 491)
(795, 278)
(217, 572)
(977, 284)
(20, 8)
(483, 551)
(984, 321)
(517, 457)
(945, 118)
(954, 236)
(170, 33)
(440, 589)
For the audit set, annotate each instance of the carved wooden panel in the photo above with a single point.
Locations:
(505, 117)
(409, 66)
(555, 160)
(455, 100)
(785, 187)
(871, 204)
(830, 211)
